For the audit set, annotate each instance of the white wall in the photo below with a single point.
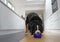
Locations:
(19, 6)
(52, 20)
(9, 20)
(20, 10)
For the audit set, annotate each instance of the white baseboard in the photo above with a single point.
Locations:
(53, 31)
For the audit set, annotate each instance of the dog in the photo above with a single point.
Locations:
(34, 23)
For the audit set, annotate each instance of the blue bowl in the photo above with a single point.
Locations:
(37, 35)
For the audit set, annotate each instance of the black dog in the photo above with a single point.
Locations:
(34, 22)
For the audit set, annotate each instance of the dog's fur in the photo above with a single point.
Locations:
(33, 20)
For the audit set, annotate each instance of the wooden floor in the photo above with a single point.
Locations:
(47, 37)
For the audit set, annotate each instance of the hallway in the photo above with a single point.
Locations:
(47, 37)
(13, 15)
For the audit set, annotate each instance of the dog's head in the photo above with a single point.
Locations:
(39, 29)
(35, 27)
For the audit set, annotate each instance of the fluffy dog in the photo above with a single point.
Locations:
(34, 23)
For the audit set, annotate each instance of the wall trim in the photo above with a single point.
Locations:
(56, 31)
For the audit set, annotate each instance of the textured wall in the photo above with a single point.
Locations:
(9, 19)
(52, 20)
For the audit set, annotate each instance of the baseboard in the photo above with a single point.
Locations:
(11, 29)
(53, 30)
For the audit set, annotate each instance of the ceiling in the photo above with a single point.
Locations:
(29, 5)
(35, 5)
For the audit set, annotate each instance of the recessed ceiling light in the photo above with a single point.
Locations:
(34, 0)
(29, 0)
